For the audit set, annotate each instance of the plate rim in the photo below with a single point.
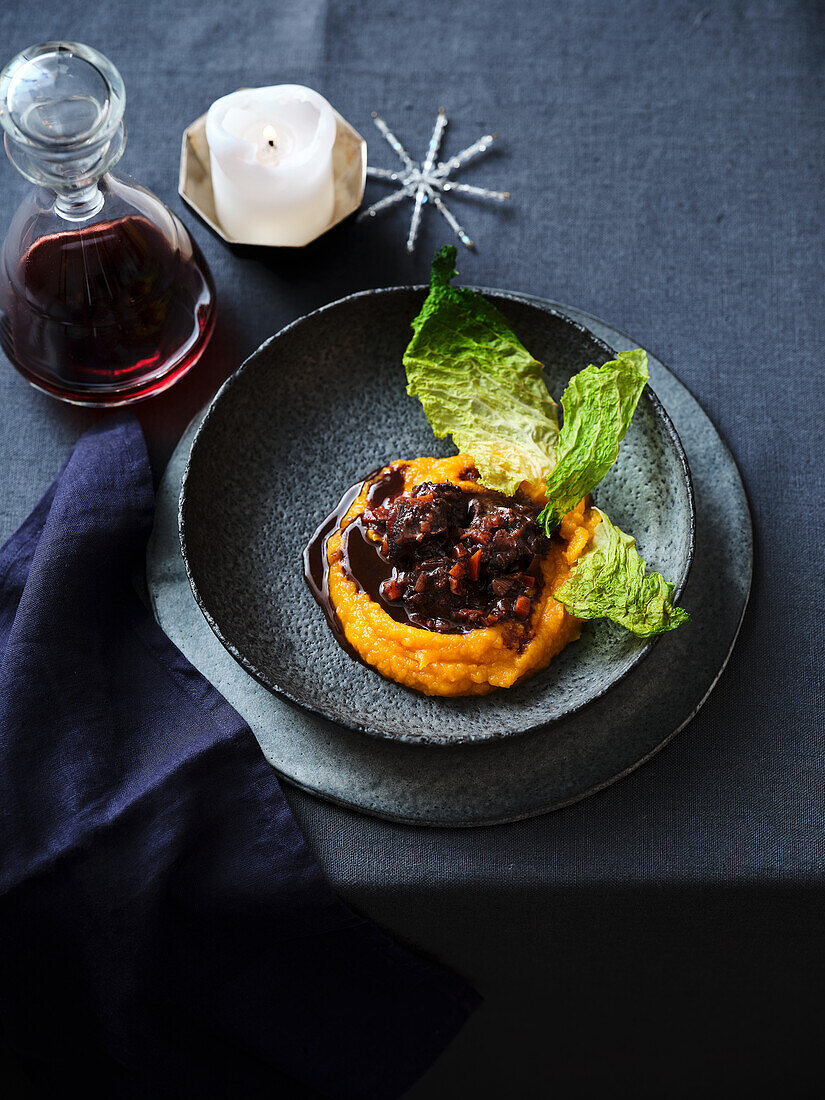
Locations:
(427, 739)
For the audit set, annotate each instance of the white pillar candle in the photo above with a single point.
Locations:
(270, 150)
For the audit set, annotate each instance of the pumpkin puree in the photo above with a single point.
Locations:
(480, 660)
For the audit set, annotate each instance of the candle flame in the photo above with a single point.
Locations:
(269, 135)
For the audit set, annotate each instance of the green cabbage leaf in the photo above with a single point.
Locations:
(478, 383)
(598, 404)
(609, 581)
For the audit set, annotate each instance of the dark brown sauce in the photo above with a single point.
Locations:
(316, 567)
(365, 564)
(386, 488)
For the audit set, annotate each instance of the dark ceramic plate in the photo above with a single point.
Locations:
(312, 411)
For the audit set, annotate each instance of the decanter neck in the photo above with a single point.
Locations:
(61, 107)
(78, 204)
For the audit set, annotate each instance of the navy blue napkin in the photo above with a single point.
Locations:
(164, 929)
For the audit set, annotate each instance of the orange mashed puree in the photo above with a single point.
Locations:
(480, 660)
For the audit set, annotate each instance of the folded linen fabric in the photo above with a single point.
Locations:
(164, 928)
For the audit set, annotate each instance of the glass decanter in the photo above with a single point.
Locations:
(104, 297)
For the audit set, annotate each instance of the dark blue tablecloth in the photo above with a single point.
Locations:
(666, 165)
(164, 928)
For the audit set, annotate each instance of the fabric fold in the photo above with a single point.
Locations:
(164, 928)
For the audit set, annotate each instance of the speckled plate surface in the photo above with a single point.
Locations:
(515, 777)
(310, 413)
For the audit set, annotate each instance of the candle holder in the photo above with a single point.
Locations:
(349, 169)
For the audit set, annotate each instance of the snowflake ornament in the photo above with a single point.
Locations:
(427, 181)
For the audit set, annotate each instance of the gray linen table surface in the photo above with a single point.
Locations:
(665, 162)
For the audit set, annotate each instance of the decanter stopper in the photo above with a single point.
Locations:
(61, 106)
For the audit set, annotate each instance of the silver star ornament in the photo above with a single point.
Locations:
(427, 181)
